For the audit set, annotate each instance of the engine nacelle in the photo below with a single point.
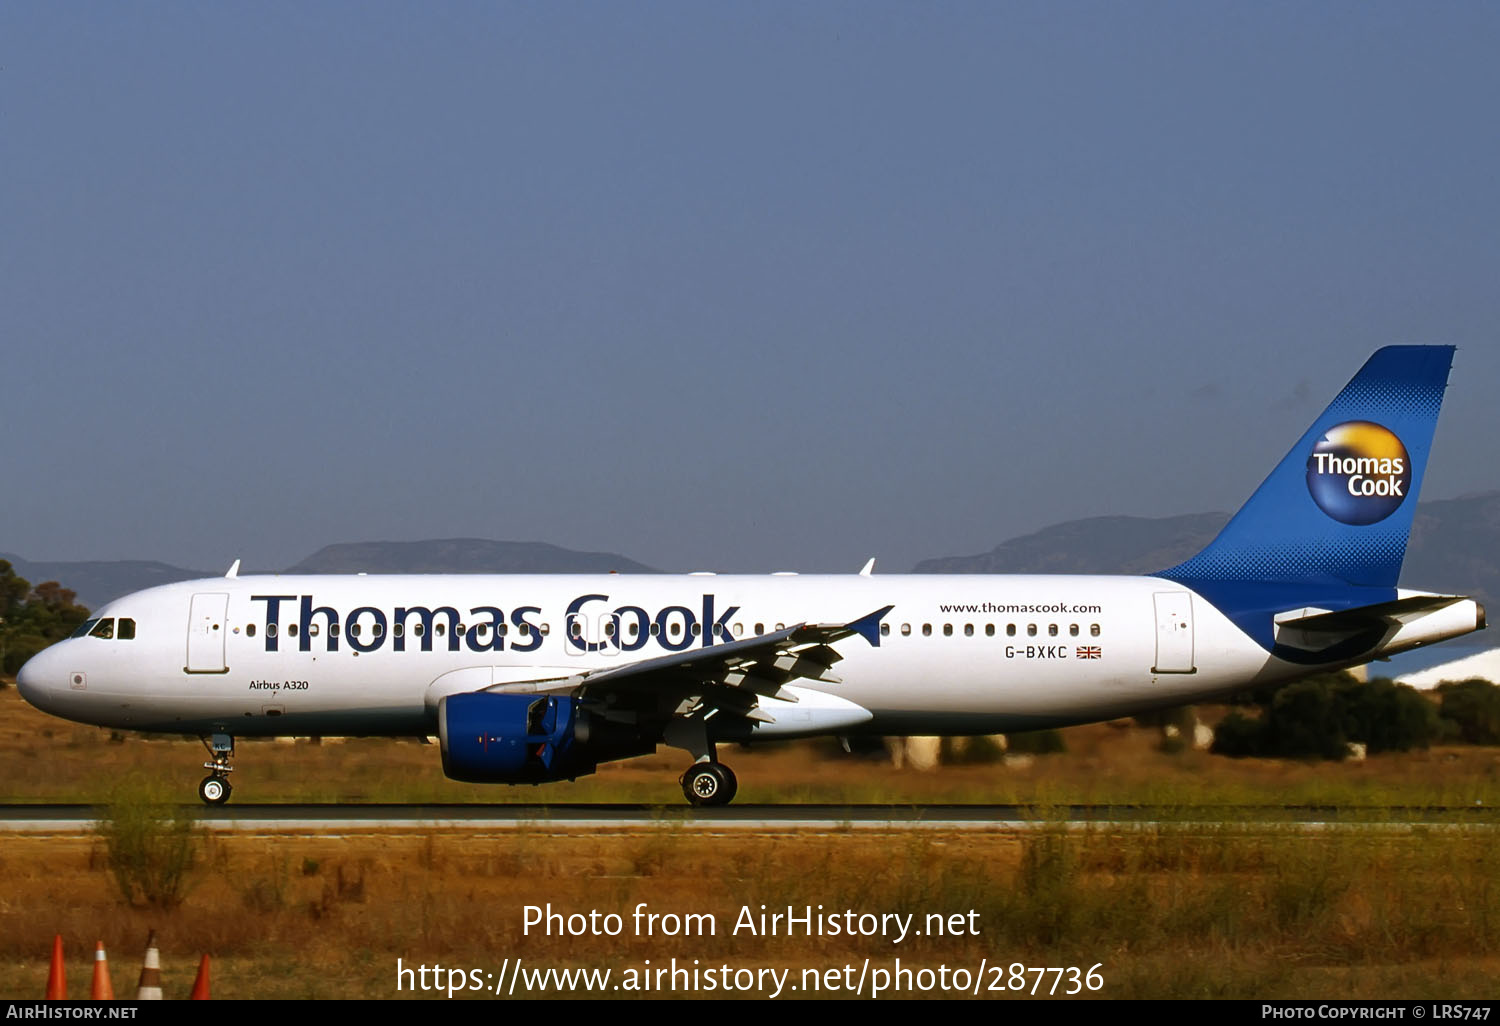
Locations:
(489, 738)
(527, 739)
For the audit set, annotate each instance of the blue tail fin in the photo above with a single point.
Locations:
(1333, 517)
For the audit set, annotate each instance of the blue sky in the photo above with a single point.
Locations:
(723, 286)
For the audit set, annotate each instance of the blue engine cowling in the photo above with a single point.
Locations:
(512, 739)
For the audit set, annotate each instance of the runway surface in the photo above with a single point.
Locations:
(559, 818)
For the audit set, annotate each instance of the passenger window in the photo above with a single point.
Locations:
(609, 628)
(291, 630)
(947, 630)
(127, 629)
(968, 630)
(398, 630)
(635, 630)
(674, 629)
(739, 629)
(885, 630)
(1094, 629)
(1073, 629)
(376, 629)
(524, 629)
(312, 630)
(905, 630)
(546, 628)
(655, 629)
(270, 630)
(1052, 630)
(438, 629)
(697, 629)
(927, 630)
(989, 630)
(250, 629)
(333, 629)
(1031, 630)
(417, 629)
(577, 630)
(1010, 630)
(354, 630)
(781, 626)
(760, 628)
(502, 630)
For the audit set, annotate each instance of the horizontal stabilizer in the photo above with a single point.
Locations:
(1363, 618)
(1374, 631)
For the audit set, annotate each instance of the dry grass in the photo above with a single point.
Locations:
(43, 759)
(1170, 912)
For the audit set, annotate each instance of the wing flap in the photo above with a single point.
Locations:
(733, 678)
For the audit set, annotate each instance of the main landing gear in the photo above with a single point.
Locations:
(709, 783)
(214, 789)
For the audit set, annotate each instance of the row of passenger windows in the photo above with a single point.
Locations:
(1032, 630)
(122, 629)
(674, 630)
(378, 630)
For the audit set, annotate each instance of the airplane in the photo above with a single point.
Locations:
(531, 678)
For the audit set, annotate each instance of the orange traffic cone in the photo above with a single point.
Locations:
(200, 985)
(57, 982)
(149, 989)
(103, 989)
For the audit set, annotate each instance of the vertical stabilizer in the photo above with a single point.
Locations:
(1337, 510)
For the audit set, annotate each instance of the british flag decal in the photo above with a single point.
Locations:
(1089, 652)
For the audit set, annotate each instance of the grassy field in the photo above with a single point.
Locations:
(1169, 912)
(1231, 910)
(44, 759)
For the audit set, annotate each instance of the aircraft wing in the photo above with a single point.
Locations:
(730, 678)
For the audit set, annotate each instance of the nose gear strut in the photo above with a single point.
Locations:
(214, 789)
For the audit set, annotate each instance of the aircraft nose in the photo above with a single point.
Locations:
(34, 678)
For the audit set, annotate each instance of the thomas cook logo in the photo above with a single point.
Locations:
(1358, 472)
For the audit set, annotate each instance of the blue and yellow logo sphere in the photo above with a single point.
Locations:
(1359, 472)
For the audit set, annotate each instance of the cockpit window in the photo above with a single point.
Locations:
(103, 629)
(126, 630)
(84, 628)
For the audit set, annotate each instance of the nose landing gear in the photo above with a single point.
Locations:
(214, 789)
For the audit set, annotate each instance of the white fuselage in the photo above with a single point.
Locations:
(957, 654)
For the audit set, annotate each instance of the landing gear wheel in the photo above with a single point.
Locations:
(214, 790)
(709, 783)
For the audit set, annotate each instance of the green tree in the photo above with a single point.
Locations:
(1318, 716)
(1472, 710)
(33, 618)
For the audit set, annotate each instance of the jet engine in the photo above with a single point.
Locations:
(527, 739)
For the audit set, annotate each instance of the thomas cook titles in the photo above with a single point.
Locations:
(1359, 472)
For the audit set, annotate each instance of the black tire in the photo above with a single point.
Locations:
(731, 783)
(214, 790)
(708, 783)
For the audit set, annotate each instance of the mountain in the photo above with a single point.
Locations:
(1098, 545)
(1454, 547)
(461, 556)
(99, 581)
